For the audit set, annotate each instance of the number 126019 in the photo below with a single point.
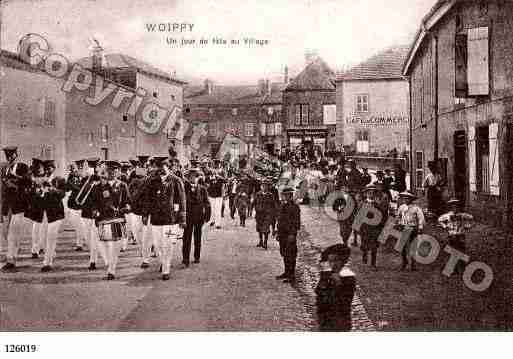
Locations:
(20, 348)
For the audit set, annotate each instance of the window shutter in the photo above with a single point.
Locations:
(493, 131)
(477, 61)
(298, 115)
(42, 110)
(472, 158)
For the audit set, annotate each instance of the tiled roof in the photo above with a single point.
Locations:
(121, 60)
(384, 65)
(315, 76)
(232, 95)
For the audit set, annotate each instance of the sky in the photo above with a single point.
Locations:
(342, 32)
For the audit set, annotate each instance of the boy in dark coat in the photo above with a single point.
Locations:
(289, 223)
(335, 290)
(242, 205)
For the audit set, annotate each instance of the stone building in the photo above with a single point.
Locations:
(309, 106)
(372, 105)
(461, 77)
(115, 133)
(32, 114)
(251, 112)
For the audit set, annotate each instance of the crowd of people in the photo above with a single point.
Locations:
(154, 202)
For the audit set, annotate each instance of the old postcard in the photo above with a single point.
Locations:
(257, 166)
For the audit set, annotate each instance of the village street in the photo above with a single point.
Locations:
(233, 289)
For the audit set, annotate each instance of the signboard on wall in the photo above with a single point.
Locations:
(378, 120)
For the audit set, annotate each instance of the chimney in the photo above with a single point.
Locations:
(209, 87)
(310, 56)
(286, 75)
(97, 58)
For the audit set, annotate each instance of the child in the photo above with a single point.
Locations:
(456, 223)
(242, 205)
(410, 217)
(335, 290)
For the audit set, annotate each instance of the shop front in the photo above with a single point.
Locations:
(307, 138)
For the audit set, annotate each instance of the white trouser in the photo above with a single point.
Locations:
(148, 239)
(51, 241)
(136, 226)
(167, 237)
(92, 238)
(76, 220)
(14, 230)
(216, 203)
(111, 249)
(39, 235)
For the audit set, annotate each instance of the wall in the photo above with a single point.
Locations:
(386, 98)
(169, 95)
(22, 113)
(316, 100)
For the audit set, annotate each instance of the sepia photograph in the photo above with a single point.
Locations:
(291, 166)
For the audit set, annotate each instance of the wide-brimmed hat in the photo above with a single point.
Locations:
(80, 163)
(407, 194)
(93, 162)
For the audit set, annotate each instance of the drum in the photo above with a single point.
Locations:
(112, 229)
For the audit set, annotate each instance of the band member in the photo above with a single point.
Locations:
(35, 207)
(233, 188)
(53, 192)
(376, 197)
(134, 220)
(266, 208)
(15, 183)
(289, 223)
(166, 210)
(110, 202)
(215, 188)
(346, 208)
(198, 213)
(73, 185)
(86, 202)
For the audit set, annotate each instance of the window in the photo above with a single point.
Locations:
(48, 112)
(188, 110)
(211, 111)
(419, 169)
(472, 62)
(263, 127)
(270, 110)
(362, 103)
(302, 114)
(277, 129)
(329, 114)
(105, 153)
(270, 129)
(125, 118)
(104, 133)
(483, 159)
(155, 94)
(173, 97)
(90, 137)
(234, 111)
(250, 128)
(362, 141)
(46, 151)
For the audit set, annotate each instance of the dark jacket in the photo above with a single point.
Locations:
(289, 219)
(197, 204)
(87, 207)
(334, 299)
(14, 192)
(73, 185)
(266, 208)
(137, 195)
(110, 201)
(166, 202)
(49, 202)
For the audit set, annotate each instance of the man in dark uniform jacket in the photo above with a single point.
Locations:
(73, 185)
(335, 290)
(198, 212)
(289, 223)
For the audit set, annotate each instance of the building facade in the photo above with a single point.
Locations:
(309, 106)
(461, 78)
(114, 132)
(32, 112)
(373, 105)
(251, 113)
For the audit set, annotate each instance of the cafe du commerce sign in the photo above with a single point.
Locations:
(377, 120)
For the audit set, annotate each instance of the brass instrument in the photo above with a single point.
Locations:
(85, 191)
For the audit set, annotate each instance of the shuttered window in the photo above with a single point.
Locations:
(329, 115)
(477, 61)
(493, 167)
(472, 158)
(298, 115)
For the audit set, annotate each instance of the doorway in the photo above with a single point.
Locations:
(460, 166)
(269, 148)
